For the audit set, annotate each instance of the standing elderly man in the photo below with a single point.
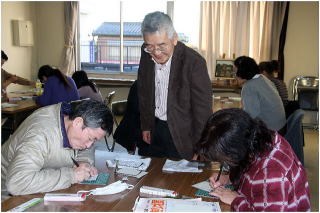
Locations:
(174, 89)
(38, 157)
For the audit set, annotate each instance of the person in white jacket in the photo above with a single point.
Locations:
(38, 157)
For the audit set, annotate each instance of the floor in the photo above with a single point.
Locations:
(311, 158)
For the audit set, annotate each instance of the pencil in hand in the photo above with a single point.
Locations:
(220, 171)
(75, 162)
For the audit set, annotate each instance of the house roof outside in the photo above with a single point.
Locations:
(113, 29)
(132, 29)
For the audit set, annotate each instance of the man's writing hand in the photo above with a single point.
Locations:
(82, 172)
(93, 170)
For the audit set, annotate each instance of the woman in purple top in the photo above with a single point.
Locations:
(57, 88)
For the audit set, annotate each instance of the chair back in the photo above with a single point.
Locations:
(295, 134)
(119, 107)
(109, 98)
(304, 82)
(108, 102)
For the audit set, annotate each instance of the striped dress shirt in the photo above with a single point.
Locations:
(275, 182)
(162, 73)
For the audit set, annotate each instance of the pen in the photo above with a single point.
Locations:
(220, 171)
(116, 167)
(75, 162)
(218, 177)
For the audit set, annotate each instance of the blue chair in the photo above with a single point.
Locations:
(295, 135)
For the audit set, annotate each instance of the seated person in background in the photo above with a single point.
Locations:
(57, 87)
(128, 133)
(8, 78)
(259, 96)
(86, 88)
(290, 105)
(267, 69)
(37, 158)
(264, 171)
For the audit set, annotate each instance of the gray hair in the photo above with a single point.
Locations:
(156, 22)
(94, 114)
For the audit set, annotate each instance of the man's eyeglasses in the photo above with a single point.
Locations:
(151, 48)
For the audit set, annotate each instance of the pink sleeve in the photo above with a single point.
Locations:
(241, 204)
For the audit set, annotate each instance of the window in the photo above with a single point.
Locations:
(100, 38)
(186, 21)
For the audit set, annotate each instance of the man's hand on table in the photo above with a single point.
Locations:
(84, 171)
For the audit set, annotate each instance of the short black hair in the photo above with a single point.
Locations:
(266, 66)
(246, 67)
(4, 55)
(274, 65)
(95, 114)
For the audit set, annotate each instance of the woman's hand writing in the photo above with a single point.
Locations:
(225, 195)
(223, 180)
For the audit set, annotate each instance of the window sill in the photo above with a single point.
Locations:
(113, 79)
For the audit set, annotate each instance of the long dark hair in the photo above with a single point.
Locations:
(233, 138)
(47, 71)
(81, 79)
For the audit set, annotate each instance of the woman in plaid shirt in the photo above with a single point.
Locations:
(265, 172)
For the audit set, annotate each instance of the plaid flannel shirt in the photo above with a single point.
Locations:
(276, 181)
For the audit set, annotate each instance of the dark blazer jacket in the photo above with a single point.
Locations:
(128, 133)
(189, 103)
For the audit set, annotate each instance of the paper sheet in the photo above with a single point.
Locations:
(132, 172)
(93, 178)
(204, 185)
(138, 164)
(6, 105)
(180, 166)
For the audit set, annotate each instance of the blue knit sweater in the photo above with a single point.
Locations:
(55, 92)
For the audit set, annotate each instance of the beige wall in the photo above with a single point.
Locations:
(22, 60)
(48, 31)
(302, 44)
(50, 21)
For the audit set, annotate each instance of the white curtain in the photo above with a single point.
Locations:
(71, 11)
(232, 29)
